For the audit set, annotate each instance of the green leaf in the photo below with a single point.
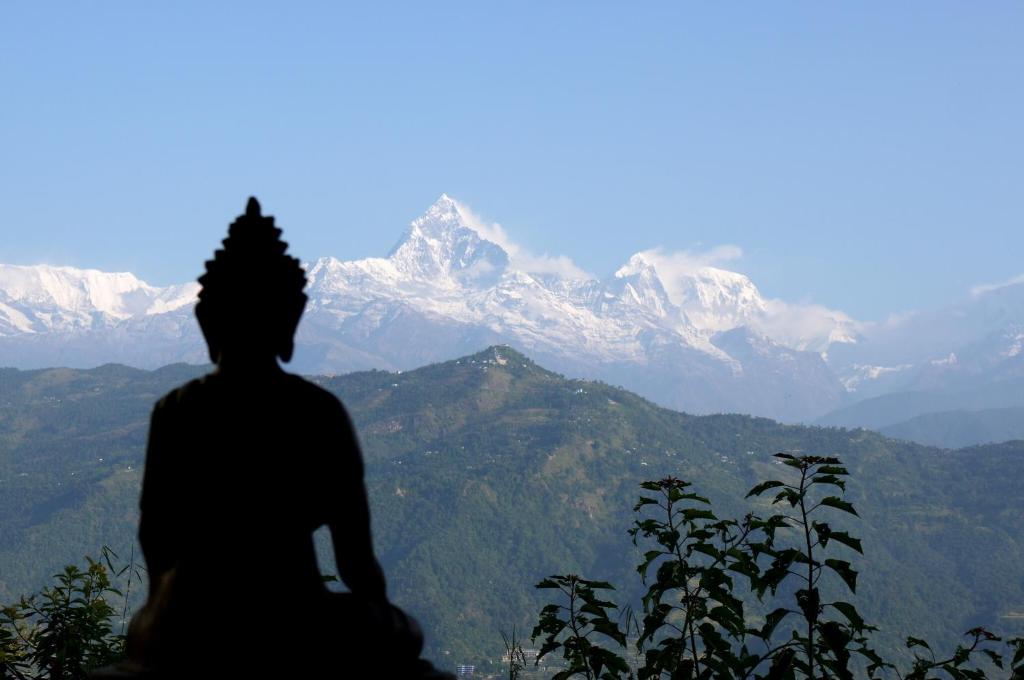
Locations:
(917, 642)
(597, 585)
(644, 500)
(707, 549)
(829, 479)
(772, 621)
(690, 514)
(788, 495)
(764, 486)
(847, 540)
(592, 608)
(1018, 654)
(842, 568)
(606, 627)
(851, 614)
(809, 602)
(839, 504)
(996, 658)
(782, 665)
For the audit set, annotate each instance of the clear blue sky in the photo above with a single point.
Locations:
(865, 155)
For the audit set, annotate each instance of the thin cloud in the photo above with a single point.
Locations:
(805, 326)
(675, 267)
(520, 256)
(983, 288)
(799, 325)
(679, 262)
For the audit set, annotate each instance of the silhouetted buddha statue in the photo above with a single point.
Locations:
(242, 466)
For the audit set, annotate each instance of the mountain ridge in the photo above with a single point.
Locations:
(695, 338)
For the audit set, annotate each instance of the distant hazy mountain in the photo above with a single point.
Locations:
(956, 429)
(699, 339)
(944, 394)
(890, 409)
(973, 342)
(62, 316)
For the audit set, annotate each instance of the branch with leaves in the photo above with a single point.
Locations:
(690, 611)
(65, 630)
(571, 623)
(820, 646)
(956, 667)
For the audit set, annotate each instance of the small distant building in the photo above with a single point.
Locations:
(465, 670)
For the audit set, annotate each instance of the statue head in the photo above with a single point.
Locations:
(251, 298)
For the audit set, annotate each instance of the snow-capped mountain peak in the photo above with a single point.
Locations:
(41, 298)
(637, 283)
(717, 299)
(444, 215)
(446, 289)
(638, 264)
(440, 247)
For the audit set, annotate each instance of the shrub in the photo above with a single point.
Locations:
(695, 625)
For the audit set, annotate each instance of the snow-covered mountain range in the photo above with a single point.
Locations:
(701, 339)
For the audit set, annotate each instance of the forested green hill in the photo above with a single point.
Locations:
(489, 472)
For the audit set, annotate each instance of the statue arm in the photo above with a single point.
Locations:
(349, 523)
(156, 529)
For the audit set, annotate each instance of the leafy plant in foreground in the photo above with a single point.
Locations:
(821, 645)
(689, 607)
(570, 623)
(955, 667)
(14, 643)
(65, 630)
(694, 623)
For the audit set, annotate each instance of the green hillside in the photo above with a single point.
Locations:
(489, 472)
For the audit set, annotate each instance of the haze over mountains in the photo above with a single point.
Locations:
(692, 337)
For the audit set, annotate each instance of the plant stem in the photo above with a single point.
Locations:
(687, 596)
(128, 589)
(575, 629)
(812, 618)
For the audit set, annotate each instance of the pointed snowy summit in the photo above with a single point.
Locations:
(637, 283)
(440, 246)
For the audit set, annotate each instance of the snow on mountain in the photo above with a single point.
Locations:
(717, 300)
(445, 290)
(438, 247)
(968, 343)
(688, 335)
(443, 269)
(43, 298)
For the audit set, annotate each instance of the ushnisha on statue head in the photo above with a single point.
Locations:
(251, 298)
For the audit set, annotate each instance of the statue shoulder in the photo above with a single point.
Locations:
(323, 400)
(183, 395)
